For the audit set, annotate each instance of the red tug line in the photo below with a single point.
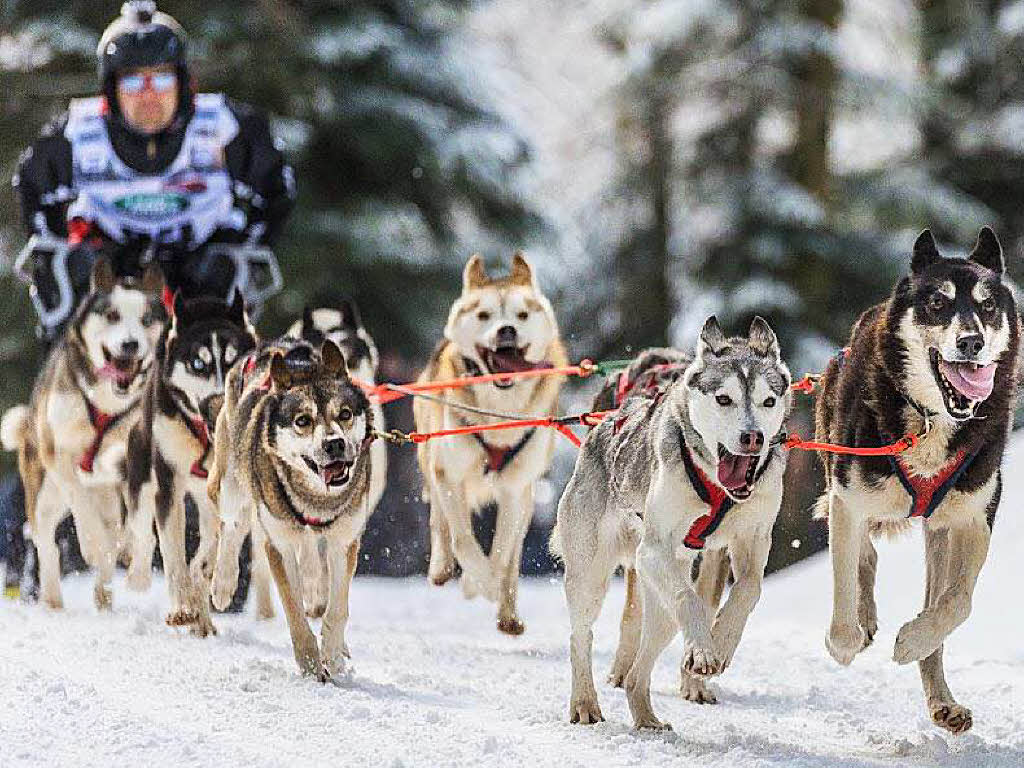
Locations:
(386, 393)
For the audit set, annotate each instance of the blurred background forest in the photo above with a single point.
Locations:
(658, 161)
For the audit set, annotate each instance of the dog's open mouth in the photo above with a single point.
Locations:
(120, 370)
(963, 384)
(334, 475)
(507, 359)
(737, 472)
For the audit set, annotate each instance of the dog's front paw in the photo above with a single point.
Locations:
(180, 617)
(222, 589)
(337, 665)
(102, 597)
(511, 625)
(650, 723)
(917, 639)
(844, 641)
(53, 602)
(702, 662)
(696, 690)
(140, 576)
(585, 711)
(441, 569)
(486, 587)
(952, 716)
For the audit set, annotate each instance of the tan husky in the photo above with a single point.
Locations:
(496, 326)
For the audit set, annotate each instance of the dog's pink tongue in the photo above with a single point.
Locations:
(111, 371)
(974, 383)
(732, 471)
(514, 363)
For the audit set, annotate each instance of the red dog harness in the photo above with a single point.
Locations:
(711, 494)
(101, 424)
(499, 458)
(197, 426)
(926, 493)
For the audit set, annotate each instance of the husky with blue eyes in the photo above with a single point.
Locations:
(169, 450)
(292, 457)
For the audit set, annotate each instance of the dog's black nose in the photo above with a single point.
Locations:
(129, 348)
(752, 440)
(335, 448)
(506, 336)
(970, 345)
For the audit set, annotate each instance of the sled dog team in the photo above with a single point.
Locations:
(146, 401)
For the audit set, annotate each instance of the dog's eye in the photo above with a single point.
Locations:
(113, 316)
(937, 302)
(989, 305)
(148, 319)
(769, 402)
(483, 316)
(523, 316)
(198, 364)
(303, 421)
(345, 414)
(723, 400)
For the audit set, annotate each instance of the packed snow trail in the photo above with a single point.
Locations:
(434, 683)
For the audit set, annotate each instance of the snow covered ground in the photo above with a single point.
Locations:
(436, 685)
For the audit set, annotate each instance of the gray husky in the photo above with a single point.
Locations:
(696, 469)
(942, 351)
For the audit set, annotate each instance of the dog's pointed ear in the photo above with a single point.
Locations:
(712, 339)
(522, 272)
(307, 321)
(988, 252)
(237, 308)
(350, 315)
(280, 376)
(102, 279)
(762, 338)
(333, 360)
(179, 311)
(153, 279)
(926, 252)
(474, 275)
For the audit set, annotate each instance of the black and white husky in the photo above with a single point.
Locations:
(694, 471)
(169, 450)
(939, 357)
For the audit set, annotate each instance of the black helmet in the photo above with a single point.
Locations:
(141, 37)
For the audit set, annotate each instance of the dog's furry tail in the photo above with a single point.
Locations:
(14, 428)
(820, 508)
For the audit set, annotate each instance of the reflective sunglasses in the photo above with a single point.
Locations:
(160, 82)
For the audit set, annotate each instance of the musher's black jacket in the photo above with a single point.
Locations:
(43, 179)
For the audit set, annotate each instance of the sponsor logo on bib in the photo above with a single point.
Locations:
(154, 205)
